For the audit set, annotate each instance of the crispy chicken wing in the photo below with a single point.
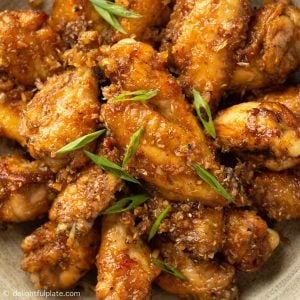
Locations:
(277, 194)
(65, 109)
(206, 279)
(273, 47)
(249, 242)
(28, 47)
(125, 270)
(24, 191)
(266, 132)
(172, 139)
(201, 39)
(56, 260)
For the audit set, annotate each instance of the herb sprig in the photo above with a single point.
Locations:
(109, 11)
(158, 221)
(213, 182)
(199, 103)
(139, 95)
(169, 269)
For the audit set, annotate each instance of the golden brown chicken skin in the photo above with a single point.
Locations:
(277, 194)
(272, 50)
(172, 138)
(265, 132)
(125, 269)
(24, 189)
(201, 38)
(58, 260)
(249, 241)
(28, 47)
(65, 109)
(205, 279)
(289, 97)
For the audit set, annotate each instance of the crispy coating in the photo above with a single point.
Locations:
(277, 194)
(172, 139)
(125, 270)
(72, 17)
(154, 15)
(65, 109)
(28, 47)
(206, 279)
(268, 128)
(24, 191)
(201, 39)
(289, 97)
(10, 118)
(55, 260)
(273, 47)
(249, 241)
(82, 201)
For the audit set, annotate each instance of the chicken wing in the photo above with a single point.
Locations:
(56, 260)
(125, 269)
(277, 194)
(201, 38)
(265, 132)
(28, 47)
(205, 279)
(172, 139)
(272, 50)
(249, 241)
(24, 191)
(65, 109)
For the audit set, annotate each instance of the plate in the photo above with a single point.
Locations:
(278, 279)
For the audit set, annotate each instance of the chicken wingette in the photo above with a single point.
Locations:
(125, 269)
(272, 50)
(201, 39)
(249, 242)
(65, 109)
(277, 194)
(265, 132)
(28, 46)
(24, 189)
(171, 139)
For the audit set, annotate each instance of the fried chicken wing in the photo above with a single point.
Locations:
(24, 191)
(201, 38)
(125, 270)
(277, 194)
(65, 109)
(266, 132)
(28, 47)
(249, 241)
(205, 279)
(55, 260)
(272, 50)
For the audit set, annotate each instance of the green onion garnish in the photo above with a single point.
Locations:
(213, 182)
(199, 103)
(110, 167)
(133, 146)
(126, 204)
(140, 95)
(158, 221)
(168, 268)
(80, 142)
(109, 10)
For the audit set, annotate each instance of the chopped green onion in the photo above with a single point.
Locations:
(213, 182)
(169, 269)
(80, 142)
(126, 204)
(109, 10)
(140, 95)
(199, 103)
(111, 167)
(133, 146)
(158, 221)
